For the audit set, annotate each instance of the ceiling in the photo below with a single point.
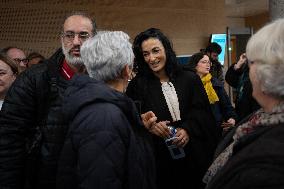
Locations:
(245, 8)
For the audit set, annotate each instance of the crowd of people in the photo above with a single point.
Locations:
(82, 119)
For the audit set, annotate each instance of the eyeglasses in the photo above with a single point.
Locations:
(69, 35)
(18, 60)
(205, 62)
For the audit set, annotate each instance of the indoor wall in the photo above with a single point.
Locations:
(35, 25)
(257, 21)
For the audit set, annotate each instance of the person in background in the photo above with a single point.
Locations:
(32, 129)
(8, 73)
(251, 155)
(237, 76)
(172, 97)
(18, 56)
(221, 106)
(106, 137)
(213, 50)
(34, 58)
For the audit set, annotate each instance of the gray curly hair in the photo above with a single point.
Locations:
(106, 54)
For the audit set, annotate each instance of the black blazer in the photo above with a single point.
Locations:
(196, 118)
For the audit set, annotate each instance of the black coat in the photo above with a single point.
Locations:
(216, 70)
(107, 145)
(223, 109)
(31, 127)
(246, 104)
(257, 161)
(196, 119)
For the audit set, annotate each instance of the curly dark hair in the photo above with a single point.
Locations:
(142, 66)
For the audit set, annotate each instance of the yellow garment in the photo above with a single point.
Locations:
(211, 94)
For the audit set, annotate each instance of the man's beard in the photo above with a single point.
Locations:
(73, 60)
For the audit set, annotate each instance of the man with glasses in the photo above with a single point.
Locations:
(18, 56)
(32, 128)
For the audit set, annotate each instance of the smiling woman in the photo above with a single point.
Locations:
(154, 55)
(8, 73)
(177, 99)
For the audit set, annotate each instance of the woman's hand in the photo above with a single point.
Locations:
(228, 124)
(241, 61)
(182, 137)
(148, 119)
(160, 129)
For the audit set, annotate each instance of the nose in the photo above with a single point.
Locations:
(22, 64)
(152, 57)
(76, 40)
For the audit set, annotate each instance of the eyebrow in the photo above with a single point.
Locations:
(153, 49)
(76, 32)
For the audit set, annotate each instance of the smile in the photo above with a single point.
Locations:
(155, 63)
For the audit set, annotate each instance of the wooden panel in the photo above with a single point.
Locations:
(34, 25)
(257, 21)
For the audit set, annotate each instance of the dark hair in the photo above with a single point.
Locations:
(171, 60)
(193, 61)
(213, 47)
(33, 55)
(85, 15)
(10, 63)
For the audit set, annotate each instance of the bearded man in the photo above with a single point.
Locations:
(32, 129)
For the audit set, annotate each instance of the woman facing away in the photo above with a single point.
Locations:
(175, 98)
(251, 155)
(8, 73)
(220, 103)
(107, 145)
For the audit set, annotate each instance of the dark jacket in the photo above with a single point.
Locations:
(223, 109)
(216, 70)
(107, 145)
(245, 104)
(196, 119)
(257, 161)
(31, 127)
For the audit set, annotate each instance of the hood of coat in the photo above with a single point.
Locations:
(83, 91)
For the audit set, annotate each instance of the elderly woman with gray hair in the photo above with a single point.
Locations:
(252, 155)
(106, 145)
